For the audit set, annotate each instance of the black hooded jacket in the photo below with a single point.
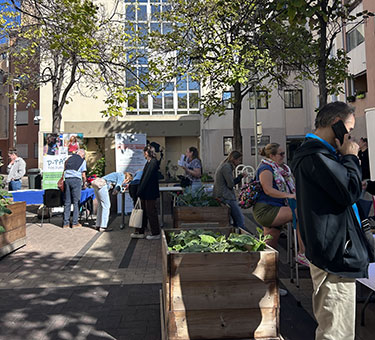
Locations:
(326, 189)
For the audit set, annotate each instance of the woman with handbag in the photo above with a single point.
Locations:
(272, 210)
(148, 192)
(115, 180)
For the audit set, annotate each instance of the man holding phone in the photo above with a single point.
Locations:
(328, 183)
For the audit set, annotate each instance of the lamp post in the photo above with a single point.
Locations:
(16, 85)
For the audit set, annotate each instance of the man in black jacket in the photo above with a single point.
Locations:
(328, 183)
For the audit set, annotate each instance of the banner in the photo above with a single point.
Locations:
(130, 158)
(56, 149)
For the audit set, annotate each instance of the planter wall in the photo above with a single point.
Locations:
(15, 228)
(212, 215)
(219, 295)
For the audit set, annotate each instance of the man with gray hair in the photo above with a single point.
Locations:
(328, 183)
(74, 173)
(16, 170)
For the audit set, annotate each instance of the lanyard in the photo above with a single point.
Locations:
(332, 150)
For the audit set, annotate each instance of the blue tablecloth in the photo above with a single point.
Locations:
(36, 196)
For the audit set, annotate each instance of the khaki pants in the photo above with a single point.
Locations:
(334, 302)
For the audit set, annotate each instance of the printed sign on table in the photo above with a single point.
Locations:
(129, 157)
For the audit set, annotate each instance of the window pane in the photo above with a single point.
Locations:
(130, 12)
(227, 96)
(193, 100)
(157, 112)
(155, 12)
(181, 83)
(227, 145)
(168, 100)
(167, 28)
(155, 27)
(169, 86)
(157, 104)
(194, 112)
(130, 78)
(143, 73)
(143, 101)
(193, 85)
(182, 100)
(142, 13)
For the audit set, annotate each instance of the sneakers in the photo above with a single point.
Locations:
(153, 237)
(283, 292)
(104, 229)
(77, 225)
(301, 259)
(136, 235)
(66, 226)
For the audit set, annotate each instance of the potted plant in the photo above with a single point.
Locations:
(360, 94)
(219, 285)
(12, 222)
(199, 207)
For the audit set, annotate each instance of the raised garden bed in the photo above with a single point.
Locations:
(212, 215)
(14, 224)
(219, 295)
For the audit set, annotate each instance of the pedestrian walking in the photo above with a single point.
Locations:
(328, 183)
(74, 175)
(16, 170)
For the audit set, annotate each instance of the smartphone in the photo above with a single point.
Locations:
(340, 130)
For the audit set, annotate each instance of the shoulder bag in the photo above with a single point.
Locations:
(135, 220)
(60, 183)
(98, 183)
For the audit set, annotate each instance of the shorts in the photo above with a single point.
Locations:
(265, 214)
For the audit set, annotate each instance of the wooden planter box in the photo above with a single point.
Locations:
(15, 228)
(212, 215)
(219, 295)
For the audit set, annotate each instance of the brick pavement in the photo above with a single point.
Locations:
(81, 284)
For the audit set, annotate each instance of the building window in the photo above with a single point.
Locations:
(264, 140)
(262, 100)
(228, 99)
(227, 145)
(355, 37)
(293, 99)
(35, 150)
(23, 150)
(22, 117)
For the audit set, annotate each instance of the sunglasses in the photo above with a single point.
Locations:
(281, 154)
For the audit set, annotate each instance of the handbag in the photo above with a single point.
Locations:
(184, 181)
(98, 183)
(60, 184)
(135, 220)
(249, 194)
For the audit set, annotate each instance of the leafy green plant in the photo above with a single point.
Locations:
(201, 241)
(99, 168)
(197, 198)
(360, 95)
(5, 199)
(206, 177)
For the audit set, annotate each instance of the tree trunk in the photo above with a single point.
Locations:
(237, 135)
(56, 116)
(322, 62)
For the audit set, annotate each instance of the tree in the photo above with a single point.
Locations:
(76, 45)
(317, 61)
(217, 43)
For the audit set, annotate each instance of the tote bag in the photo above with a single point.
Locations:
(98, 183)
(136, 216)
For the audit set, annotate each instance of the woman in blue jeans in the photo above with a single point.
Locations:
(114, 180)
(224, 184)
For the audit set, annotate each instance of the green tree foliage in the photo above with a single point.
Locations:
(320, 60)
(75, 45)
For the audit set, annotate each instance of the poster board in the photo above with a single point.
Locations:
(57, 147)
(130, 158)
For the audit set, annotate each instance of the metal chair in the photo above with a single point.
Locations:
(52, 198)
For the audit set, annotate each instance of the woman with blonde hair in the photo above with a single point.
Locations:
(272, 210)
(224, 184)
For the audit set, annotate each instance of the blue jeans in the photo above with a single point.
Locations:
(195, 186)
(72, 196)
(236, 213)
(104, 205)
(15, 185)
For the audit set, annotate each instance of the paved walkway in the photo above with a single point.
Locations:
(81, 284)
